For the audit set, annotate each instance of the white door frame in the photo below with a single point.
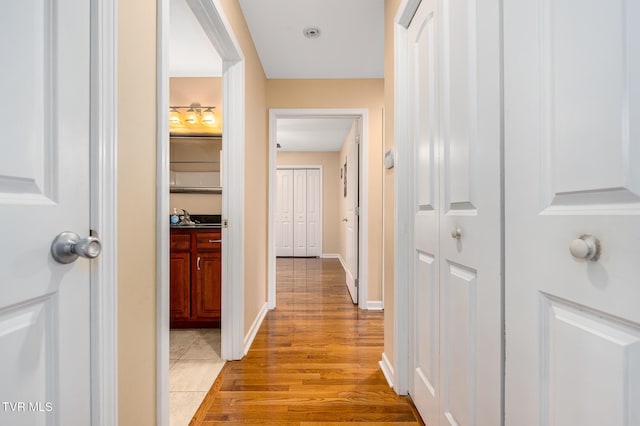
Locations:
(317, 167)
(103, 215)
(363, 115)
(216, 26)
(403, 206)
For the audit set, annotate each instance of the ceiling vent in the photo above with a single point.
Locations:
(311, 32)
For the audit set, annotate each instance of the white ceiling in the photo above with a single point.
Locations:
(312, 134)
(351, 43)
(191, 54)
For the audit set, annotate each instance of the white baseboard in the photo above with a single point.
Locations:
(375, 305)
(387, 369)
(248, 339)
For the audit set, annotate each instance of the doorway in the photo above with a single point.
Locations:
(217, 29)
(359, 119)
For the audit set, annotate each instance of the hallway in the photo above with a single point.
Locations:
(314, 360)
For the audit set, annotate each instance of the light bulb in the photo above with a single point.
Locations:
(174, 118)
(209, 118)
(190, 117)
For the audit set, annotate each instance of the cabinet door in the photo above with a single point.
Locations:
(180, 277)
(205, 297)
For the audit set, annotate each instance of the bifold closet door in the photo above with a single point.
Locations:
(284, 213)
(299, 212)
(454, 54)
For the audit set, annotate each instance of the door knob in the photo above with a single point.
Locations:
(456, 233)
(585, 247)
(68, 246)
(345, 220)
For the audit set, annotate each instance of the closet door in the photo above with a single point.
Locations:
(314, 226)
(470, 214)
(425, 337)
(572, 147)
(284, 213)
(300, 212)
(454, 56)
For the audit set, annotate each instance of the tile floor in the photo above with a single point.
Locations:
(194, 364)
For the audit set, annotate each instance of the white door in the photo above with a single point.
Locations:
(351, 218)
(572, 146)
(423, 80)
(314, 215)
(300, 212)
(44, 190)
(455, 84)
(284, 212)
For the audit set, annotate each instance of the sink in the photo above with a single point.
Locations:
(206, 221)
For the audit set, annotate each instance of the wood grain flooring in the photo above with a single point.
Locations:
(313, 362)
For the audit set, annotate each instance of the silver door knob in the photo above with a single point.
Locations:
(456, 233)
(68, 246)
(585, 247)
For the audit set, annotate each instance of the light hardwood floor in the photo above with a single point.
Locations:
(313, 362)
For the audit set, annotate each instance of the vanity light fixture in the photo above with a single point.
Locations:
(193, 114)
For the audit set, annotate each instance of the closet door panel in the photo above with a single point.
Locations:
(300, 213)
(284, 213)
(314, 214)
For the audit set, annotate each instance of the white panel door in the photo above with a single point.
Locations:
(351, 219)
(454, 52)
(470, 214)
(572, 147)
(314, 214)
(300, 212)
(425, 335)
(284, 212)
(44, 190)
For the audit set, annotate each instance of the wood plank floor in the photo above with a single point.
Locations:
(313, 362)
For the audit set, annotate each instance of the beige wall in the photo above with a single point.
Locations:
(256, 169)
(358, 93)
(391, 6)
(137, 195)
(331, 187)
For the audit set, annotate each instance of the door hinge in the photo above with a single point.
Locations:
(357, 282)
(357, 211)
(358, 140)
(225, 223)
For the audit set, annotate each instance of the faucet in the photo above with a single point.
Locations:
(186, 218)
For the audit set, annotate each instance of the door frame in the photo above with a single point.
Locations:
(363, 182)
(103, 212)
(398, 373)
(210, 14)
(303, 167)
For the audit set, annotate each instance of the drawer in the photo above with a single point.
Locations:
(180, 241)
(208, 240)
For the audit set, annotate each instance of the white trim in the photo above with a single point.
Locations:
(330, 256)
(387, 369)
(363, 115)
(403, 208)
(162, 208)
(316, 167)
(216, 26)
(104, 207)
(374, 305)
(255, 327)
